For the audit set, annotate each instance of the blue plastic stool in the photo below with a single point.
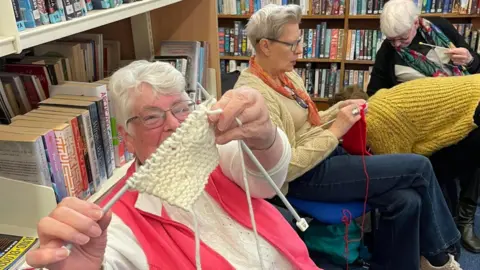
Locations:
(329, 213)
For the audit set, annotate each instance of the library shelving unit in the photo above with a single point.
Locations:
(346, 22)
(139, 26)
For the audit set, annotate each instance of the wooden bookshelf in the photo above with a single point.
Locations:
(346, 22)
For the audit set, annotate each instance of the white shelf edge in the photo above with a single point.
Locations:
(117, 175)
(95, 18)
(7, 45)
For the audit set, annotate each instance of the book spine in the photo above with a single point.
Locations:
(55, 166)
(78, 9)
(61, 10)
(30, 13)
(104, 117)
(42, 163)
(86, 156)
(92, 153)
(119, 150)
(69, 10)
(77, 140)
(54, 14)
(42, 9)
(97, 136)
(18, 15)
(77, 189)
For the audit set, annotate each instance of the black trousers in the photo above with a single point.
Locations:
(459, 161)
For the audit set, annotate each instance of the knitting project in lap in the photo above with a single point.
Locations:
(179, 169)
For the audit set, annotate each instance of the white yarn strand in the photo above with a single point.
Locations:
(198, 261)
(249, 200)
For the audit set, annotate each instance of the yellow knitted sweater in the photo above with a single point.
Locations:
(309, 148)
(423, 115)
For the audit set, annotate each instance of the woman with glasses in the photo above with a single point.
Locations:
(415, 219)
(144, 232)
(415, 48)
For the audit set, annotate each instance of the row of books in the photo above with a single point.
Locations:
(472, 36)
(81, 57)
(448, 6)
(321, 42)
(69, 142)
(227, 66)
(34, 13)
(363, 44)
(243, 7)
(357, 77)
(357, 7)
(319, 82)
(325, 83)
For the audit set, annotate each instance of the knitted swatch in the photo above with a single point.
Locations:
(179, 169)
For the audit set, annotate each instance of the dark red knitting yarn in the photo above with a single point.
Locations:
(355, 143)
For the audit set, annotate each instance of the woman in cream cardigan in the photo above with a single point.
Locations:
(402, 187)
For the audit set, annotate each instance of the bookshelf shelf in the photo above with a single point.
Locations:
(304, 17)
(312, 60)
(7, 45)
(426, 15)
(318, 99)
(95, 18)
(359, 62)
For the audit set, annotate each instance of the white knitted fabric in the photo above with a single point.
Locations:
(179, 169)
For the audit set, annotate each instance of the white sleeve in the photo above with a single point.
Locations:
(259, 187)
(123, 251)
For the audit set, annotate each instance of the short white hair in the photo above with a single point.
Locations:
(398, 16)
(268, 22)
(125, 83)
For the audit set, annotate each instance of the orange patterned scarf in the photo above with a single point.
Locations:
(257, 70)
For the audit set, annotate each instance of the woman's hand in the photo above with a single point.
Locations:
(358, 102)
(248, 105)
(460, 56)
(72, 221)
(345, 120)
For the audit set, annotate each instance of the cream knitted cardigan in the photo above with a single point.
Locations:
(309, 148)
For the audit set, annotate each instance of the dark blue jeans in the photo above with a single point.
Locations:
(414, 218)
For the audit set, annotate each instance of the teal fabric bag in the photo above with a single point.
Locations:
(330, 240)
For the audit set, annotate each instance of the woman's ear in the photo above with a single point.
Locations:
(264, 47)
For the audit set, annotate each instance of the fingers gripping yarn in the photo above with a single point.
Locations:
(179, 169)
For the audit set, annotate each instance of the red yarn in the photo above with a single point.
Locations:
(355, 143)
(355, 140)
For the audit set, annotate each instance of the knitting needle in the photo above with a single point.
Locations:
(434, 46)
(301, 222)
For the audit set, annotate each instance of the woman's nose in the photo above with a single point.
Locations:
(171, 122)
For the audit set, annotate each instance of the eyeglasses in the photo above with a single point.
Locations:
(155, 117)
(293, 45)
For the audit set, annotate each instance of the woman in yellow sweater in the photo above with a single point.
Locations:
(403, 187)
(429, 116)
